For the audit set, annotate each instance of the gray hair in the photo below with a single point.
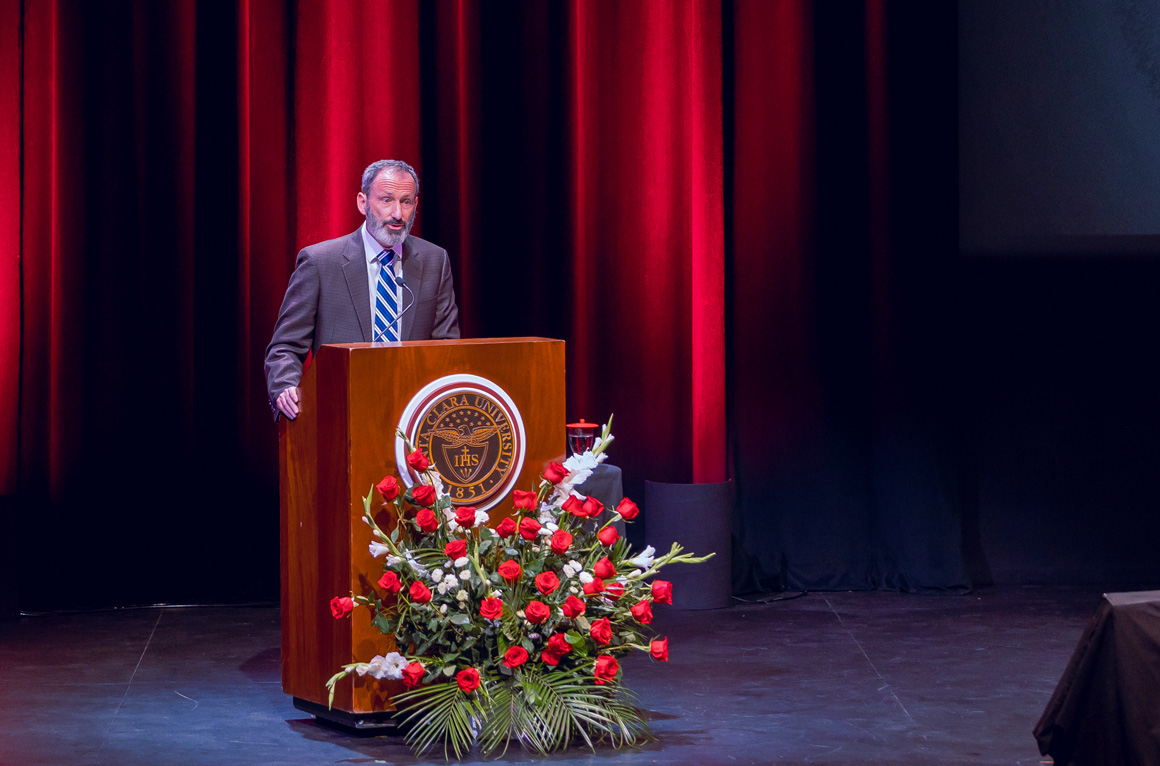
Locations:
(372, 172)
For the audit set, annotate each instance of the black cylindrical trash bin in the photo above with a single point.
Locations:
(699, 517)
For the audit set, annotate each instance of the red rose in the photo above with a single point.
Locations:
(491, 608)
(573, 607)
(419, 593)
(506, 528)
(418, 461)
(642, 611)
(606, 669)
(546, 582)
(561, 541)
(455, 549)
(426, 520)
(594, 586)
(515, 656)
(662, 591)
(341, 606)
(614, 590)
(601, 631)
(536, 612)
(608, 536)
(388, 488)
(627, 509)
(659, 649)
(465, 516)
(558, 644)
(592, 507)
(550, 658)
(524, 501)
(604, 569)
(529, 528)
(574, 506)
(423, 495)
(413, 674)
(468, 680)
(510, 571)
(555, 473)
(390, 582)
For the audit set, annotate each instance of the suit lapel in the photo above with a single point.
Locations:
(412, 275)
(355, 270)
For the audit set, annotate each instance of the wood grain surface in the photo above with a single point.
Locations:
(341, 444)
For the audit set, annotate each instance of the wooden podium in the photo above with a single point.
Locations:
(353, 397)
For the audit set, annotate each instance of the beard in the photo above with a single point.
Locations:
(388, 238)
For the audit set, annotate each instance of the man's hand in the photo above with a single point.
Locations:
(287, 402)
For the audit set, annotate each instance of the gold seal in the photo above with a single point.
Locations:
(468, 436)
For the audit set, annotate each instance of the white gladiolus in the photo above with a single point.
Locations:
(461, 562)
(585, 577)
(573, 568)
(481, 518)
(634, 574)
(645, 559)
(389, 667)
(393, 560)
(378, 549)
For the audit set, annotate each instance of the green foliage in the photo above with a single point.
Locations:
(544, 712)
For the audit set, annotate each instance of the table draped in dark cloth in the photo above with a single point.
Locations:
(1106, 708)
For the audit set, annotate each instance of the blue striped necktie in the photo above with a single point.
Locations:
(386, 307)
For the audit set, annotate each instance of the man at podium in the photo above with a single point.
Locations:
(377, 284)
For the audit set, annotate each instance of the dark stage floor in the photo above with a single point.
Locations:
(859, 678)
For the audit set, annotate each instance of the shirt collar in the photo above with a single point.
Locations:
(372, 248)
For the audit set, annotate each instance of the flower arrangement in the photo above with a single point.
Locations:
(512, 632)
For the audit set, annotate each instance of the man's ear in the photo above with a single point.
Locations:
(361, 201)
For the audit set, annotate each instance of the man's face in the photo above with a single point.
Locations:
(389, 207)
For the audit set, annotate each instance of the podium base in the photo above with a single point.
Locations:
(368, 722)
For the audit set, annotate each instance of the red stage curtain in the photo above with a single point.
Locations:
(697, 196)
(10, 51)
(647, 214)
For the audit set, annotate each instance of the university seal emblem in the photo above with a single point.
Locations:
(472, 432)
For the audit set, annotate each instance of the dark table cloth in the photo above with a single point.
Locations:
(1106, 708)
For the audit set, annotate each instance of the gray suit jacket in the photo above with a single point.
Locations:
(328, 301)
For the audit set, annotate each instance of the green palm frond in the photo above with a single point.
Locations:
(440, 713)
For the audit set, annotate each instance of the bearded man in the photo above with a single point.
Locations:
(377, 284)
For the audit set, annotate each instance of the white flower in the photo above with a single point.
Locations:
(449, 514)
(585, 577)
(378, 549)
(634, 573)
(437, 575)
(495, 594)
(573, 589)
(461, 595)
(451, 579)
(520, 614)
(453, 526)
(435, 480)
(461, 562)
(535, 549)
(447, 564)
(465, 574)
(419, 568)
(481, 518)
(443, 609)
(533, 636)
(545, 531)
(573, 568)
(389, 667)
(645, 559)
(393, 560)
(442, 588)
